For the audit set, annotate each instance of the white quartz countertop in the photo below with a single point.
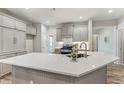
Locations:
(61, 64)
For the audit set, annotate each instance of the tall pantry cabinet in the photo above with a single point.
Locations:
(12, 40)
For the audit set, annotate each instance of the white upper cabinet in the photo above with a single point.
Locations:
(59, 34)
(20, 40)
(80, 33)
(31, 30)
(13, 40)
(20, 25)
(0, 39)
(77, 34)
(8, 22)
(67, 30)
(0, 20)
(9, 40)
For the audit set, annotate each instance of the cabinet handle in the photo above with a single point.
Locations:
(14, 40)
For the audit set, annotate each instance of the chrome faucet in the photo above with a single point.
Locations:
(84, 49)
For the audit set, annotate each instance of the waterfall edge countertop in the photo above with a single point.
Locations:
(61, 64)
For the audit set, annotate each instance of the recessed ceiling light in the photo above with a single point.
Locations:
(27, 8)
(110, 11)
(47, 22)
(80, 17)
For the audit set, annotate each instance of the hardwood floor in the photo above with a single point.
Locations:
(6, 80)
(115, 75)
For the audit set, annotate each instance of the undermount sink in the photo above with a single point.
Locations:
(78, 55)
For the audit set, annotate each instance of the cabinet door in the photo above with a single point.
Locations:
(6, 68)
(0, 20)
(59, 34)
(31, 30)
(8, 39)
(8, 22)
(77, 34)
(20, 26)
(67, 30)
(1, 67)
(84, 34)
(20, 40)
(64, 30)
(70, 30)
(0, 39)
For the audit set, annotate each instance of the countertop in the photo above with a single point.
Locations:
(61, 64)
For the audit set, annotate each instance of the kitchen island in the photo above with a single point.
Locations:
(41, 68)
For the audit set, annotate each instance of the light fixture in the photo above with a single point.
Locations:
(110, 11)
(47, 22)
(27, 8)
(93, 66)
(80, 17)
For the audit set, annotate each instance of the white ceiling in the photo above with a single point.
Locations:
(62, 15)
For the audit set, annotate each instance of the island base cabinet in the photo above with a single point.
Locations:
(23, 75)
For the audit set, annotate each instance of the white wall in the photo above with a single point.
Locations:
(109, 46)
(44, 38)
(121, 23)
(106, 28)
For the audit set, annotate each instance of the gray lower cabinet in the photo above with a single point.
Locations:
(5, 68)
